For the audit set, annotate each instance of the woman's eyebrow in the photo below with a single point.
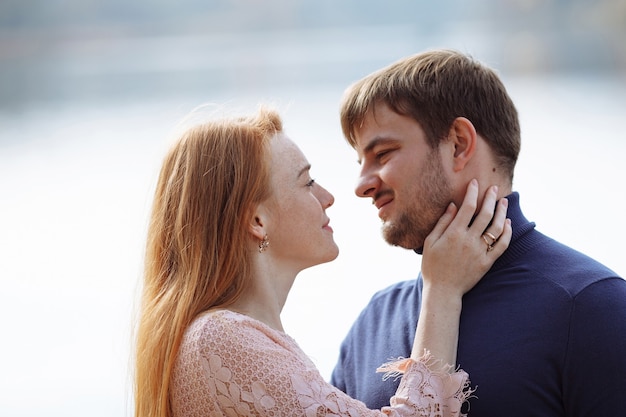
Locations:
(303, 170)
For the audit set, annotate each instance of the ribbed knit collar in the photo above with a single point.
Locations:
(523, 237)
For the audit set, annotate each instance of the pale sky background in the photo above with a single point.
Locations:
(90, 92)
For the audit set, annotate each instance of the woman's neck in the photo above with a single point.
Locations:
(257, 309)
(265, 297)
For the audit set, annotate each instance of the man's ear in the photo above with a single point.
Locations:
(463, 136)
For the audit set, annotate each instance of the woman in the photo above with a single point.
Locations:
(236, 217)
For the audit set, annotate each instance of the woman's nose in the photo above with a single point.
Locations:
(326, 198)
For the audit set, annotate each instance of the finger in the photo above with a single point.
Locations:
(502, 244)
(493, 233)
(497, 222)
(486, 213)
(442, 225)
(468, 207)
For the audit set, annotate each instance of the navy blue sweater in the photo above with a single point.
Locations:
(542, 334)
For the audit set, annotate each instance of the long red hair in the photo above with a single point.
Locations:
(196, 256)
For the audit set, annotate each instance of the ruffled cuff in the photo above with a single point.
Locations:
(425, 392)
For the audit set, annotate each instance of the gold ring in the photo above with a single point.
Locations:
(489, 245)
(492, 237)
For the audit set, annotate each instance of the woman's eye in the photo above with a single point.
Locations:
(310, 183)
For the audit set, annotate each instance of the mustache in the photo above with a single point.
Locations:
(380, 194)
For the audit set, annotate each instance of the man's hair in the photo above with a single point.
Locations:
(434, 88)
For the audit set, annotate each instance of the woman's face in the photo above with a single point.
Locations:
(299, 231)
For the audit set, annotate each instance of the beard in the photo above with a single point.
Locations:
(429, 197)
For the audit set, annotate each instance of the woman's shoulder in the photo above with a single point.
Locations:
(227, 328)
(235, 337)
(217, 322)
(216, 317)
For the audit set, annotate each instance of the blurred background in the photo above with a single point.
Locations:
(91, 90)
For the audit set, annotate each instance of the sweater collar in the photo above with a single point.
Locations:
(523, 237)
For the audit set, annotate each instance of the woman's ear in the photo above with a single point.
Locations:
(463, 137)
(257, 223)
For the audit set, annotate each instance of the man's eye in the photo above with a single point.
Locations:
(310, 183)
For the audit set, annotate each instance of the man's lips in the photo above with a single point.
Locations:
(381, 201)
(381, 204)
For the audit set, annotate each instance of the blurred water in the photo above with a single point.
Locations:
(76, 178)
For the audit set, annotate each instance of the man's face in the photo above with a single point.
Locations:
(403, 176)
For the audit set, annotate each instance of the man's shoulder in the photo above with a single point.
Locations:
(402, 289)
(570, 268)
(387, 320)
(390, 301)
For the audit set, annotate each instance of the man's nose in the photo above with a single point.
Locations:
(366, 184)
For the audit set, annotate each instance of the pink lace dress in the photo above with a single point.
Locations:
(232, 365)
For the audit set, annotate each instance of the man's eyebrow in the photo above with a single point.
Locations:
(378, 140)
(303, 170)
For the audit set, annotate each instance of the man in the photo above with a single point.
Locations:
(544, 332)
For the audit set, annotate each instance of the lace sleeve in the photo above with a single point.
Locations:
(247, 369)
(423, 392)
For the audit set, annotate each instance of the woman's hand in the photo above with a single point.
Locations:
(456, 256)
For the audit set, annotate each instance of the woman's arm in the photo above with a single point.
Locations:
(455, 258)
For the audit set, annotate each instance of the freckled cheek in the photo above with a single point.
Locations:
(284, 209)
